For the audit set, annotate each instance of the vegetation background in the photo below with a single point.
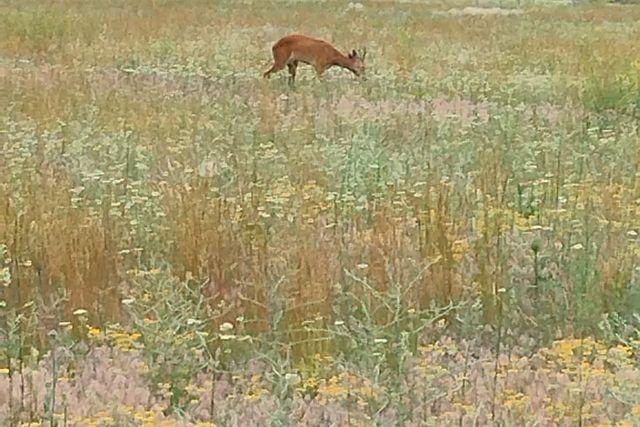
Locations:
(452, 241)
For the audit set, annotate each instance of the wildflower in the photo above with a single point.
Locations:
(225, 327)
(332, 389)
(459, 248)
(80, 312)
(521, 222)
(255, 391)
(309, 384)
(292, 379)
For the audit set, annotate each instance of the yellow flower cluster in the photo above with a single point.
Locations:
(515, 401)
(256, 389)
(117, 336)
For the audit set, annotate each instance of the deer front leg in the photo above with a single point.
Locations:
(320, 69)
(292, 72)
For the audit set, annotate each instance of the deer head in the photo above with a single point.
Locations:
(357, 57)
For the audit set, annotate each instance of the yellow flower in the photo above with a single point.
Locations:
(515, 400)
(459, 248)
(370, 391)
(333, 389)
(522, 223)
(251, 396)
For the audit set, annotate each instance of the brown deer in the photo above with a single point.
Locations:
(295, 48)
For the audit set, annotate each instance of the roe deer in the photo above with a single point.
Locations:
(295, 48)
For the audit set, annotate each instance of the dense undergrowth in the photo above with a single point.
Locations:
(452, 241)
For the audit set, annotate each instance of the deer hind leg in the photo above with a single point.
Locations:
(279, 62)
(274, 69)
(292, 71)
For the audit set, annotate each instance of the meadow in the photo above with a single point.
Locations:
(454, 240)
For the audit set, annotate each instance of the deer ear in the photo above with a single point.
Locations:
(353, 53)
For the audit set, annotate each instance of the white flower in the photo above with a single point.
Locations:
(80, 312)
(225, 337)
(226, 326)
(292, 379)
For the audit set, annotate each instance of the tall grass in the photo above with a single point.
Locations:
(484, 176)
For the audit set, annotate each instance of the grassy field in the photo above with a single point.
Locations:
(454, 240)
